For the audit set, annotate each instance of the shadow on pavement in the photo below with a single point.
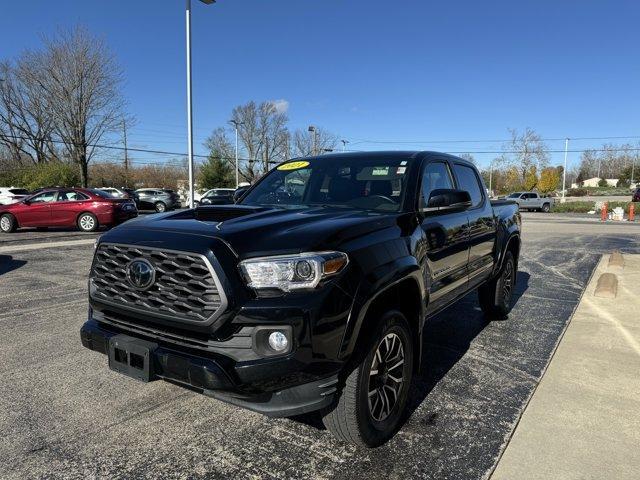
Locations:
(7, 264)
(447, 337)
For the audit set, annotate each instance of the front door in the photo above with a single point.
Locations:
(38, 212)
(446, 236)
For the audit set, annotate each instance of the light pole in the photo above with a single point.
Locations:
(189, 102)
(564, 172)
(312, 129)
(344, 144)
(235, 124)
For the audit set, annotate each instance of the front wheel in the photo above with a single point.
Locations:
(495, 296)
(8, 223)
(161, 207)
(372, 402)
(87, 222)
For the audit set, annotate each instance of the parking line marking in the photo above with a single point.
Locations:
(37, 246)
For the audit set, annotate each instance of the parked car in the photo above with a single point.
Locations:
(217, 196)
(122, 193)
(636, 195)
(12, 195)
(532, 201)
(296, 300)
(158, 199)
(83, 208)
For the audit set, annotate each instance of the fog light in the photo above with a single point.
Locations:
(278, 341)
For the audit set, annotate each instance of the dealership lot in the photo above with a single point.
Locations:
(63, 413)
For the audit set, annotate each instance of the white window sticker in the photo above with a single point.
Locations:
(401, 170)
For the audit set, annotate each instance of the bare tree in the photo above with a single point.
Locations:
(25, 122)
(303, 142)
(81, 83)
(469, 157)
(525, 151)
(262, 130)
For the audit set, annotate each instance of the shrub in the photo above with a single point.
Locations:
(573, 207)
(577, 192)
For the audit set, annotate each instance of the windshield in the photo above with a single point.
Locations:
(369, 184)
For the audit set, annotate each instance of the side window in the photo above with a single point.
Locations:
(436, 175)
(44, 197)
(468, 180)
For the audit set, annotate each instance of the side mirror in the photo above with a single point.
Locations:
(239, 193)
(448, 199)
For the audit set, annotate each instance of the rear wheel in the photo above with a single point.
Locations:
(161, 207)
(8, 223)
(546, 208)
(87, 222)
(495, 296)
(373, 400)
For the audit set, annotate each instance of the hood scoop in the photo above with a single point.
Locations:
(215, 213)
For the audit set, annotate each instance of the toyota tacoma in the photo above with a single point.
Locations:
(311, 292)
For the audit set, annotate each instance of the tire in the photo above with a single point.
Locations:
(87, 222)
(496, 295)
(160, 207)
(8, 223)
(546, 208)
(353, 418)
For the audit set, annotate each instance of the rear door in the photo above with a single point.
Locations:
(446, 236)
(482, 223)
(67, 206)
(38, 212)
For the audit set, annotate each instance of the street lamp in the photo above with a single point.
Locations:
(344, 144)
(564, 172)
(312, 129)
(235, 123)
(189, 102)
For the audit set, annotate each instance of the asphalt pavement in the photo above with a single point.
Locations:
(64, 414)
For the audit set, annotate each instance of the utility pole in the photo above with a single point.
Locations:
(126, 154)
(235, 124)
(564, 172)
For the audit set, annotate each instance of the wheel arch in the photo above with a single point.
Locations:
(405, 295)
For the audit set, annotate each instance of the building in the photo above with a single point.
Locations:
(593, 182)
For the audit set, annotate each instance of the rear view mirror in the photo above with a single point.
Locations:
(239, 193)
(448, 199)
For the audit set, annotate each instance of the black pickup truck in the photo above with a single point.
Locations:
(311, 292)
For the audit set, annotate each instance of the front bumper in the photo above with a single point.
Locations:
(220, 377)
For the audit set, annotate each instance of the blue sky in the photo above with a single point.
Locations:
(403, 71)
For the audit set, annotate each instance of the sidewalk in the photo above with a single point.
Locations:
(583, 421)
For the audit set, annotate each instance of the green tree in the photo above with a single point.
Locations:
(603, 183)
(51, 174)
(531, 178)
(216, 173)
(549, 179)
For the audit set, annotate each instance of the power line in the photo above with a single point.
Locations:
(409, 142)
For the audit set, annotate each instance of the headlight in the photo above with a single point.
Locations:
(292, 272)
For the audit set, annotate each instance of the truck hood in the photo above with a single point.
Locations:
(255, 231)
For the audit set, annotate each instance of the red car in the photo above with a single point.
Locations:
(86, 209)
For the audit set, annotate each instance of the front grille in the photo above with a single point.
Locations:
(186, 287)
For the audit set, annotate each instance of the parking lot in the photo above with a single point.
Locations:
(64, 414)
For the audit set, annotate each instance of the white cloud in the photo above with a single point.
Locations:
(281, 105)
